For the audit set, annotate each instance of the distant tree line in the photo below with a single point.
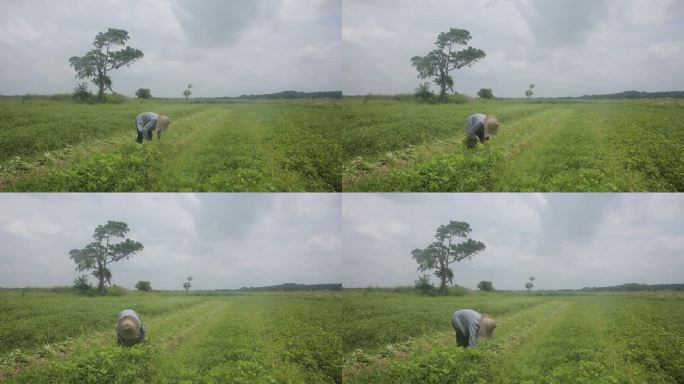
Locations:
(294, 95)
(294, 287)
(637, 287)
(636, 95)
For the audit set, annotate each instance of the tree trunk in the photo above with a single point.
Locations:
(101, 277)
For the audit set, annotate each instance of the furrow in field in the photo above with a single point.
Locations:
(517, 134)
(165, 331)
(234, 345)
(181, 131)
(513, 329)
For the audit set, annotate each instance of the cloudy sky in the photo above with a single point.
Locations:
(222, 240)
(565, 47)
(564, 240)
(223, 47)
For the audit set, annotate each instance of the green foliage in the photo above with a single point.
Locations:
(247, 146)
(104, 250)
(97, 62)
(143, 93)
(82, 93)
(439, 62)
(485, 286)
(553, 147)
(143, 286)
(423, 285)
(589, 338)
(82, 284)
(444, 251)
(485, 93)
(424, 93)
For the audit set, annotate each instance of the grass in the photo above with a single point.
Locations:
(355, 336)
(247, 338)
(56, 145)
(605, 146)
(583, 338)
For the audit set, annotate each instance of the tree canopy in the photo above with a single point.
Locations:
(104, 250)
(445, 58)
(97, 62)
(445, 251)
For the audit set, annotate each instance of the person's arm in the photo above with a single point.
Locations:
(143, 332)
(150, 125)
(473, 329)
(159, 134)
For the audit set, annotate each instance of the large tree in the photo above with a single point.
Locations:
(445, 58)
(97, 62)
(445, 250)
(105, 250)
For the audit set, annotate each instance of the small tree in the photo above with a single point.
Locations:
(82, 284)
(97, 62)
(143, 93)
(143, 286)
(485, 93)
(439, 62)
(187, 284)
(423, 285)
(424, 93)
(81, 92)
(529, 92)
(445, 251)
(486, 286)
(103, 251)
(187, 92)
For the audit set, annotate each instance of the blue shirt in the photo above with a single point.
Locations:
(474, 126)
(146, 121)
(466, 323)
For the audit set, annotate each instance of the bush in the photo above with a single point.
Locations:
(143, 286)
(143, 93)
(485, 286)
(424, 286)
(82, 284)
(423, 93)
(82, 93)
(485, 93)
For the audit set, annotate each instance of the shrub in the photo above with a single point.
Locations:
(143, 93)
(143, 286)
(424, 286)
(82, 93)
(485, 286)
(485, 93)
(423, 93)
(82, 284)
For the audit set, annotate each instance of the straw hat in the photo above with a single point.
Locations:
(491, 126)
(162, 123)
(128, 328)
(487, 326)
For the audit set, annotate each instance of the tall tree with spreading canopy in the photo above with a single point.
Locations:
(439, 62)
(445, 250)
(97, 62)
(104, 250)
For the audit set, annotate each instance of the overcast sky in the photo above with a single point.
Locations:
(222, 240)
(564, 240)
(565, 47)
(223, 47)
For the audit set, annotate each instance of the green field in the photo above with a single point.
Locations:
(356, 336)
(248, 338)
(59, 145)
(581, 338)
(395, 145)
